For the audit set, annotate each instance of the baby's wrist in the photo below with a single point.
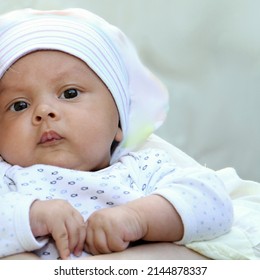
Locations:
(35, 219)
(136, 209)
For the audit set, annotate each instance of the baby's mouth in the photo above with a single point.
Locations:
(49, 137)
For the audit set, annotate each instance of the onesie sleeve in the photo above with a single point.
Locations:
(197, 193)
(15, 231)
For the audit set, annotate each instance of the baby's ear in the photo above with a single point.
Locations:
(119, 135)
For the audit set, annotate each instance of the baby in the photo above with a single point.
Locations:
(75, 102)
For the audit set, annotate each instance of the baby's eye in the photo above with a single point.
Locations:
(19, 106)
(70, 93)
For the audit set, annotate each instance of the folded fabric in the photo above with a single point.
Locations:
(243, 241)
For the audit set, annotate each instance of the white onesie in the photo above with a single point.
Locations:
(197, 193)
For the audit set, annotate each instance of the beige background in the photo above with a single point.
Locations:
(208, 55)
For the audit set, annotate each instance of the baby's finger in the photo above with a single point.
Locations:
(88, 240)
(97, 242)
(81, 241)
(61, 238)
(116, 243)
(75, 228)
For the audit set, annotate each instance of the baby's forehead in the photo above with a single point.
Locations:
(60, 66)
(64, 63)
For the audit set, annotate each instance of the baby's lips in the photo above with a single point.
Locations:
(49, 136)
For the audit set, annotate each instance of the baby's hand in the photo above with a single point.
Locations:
(151, 218)
(58, 218)
(112, 229)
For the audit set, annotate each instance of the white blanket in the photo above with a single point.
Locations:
(243, 241)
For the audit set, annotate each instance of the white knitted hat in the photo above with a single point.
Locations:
(141, 99)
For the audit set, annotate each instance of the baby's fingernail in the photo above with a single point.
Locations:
(66, 255)
(77, 253)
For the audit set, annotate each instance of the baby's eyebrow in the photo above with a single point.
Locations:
(67, 72)
(6, 90)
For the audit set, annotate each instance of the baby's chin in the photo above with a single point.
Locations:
(64, 164)
(50, 162)
(78, 166)
(61, 160)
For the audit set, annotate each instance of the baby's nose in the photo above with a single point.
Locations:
(44, 112)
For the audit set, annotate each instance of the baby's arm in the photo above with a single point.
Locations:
(159, 218)
(59, 219)
(179, 204)
(151, 218)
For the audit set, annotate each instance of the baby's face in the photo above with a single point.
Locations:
(55, 110)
